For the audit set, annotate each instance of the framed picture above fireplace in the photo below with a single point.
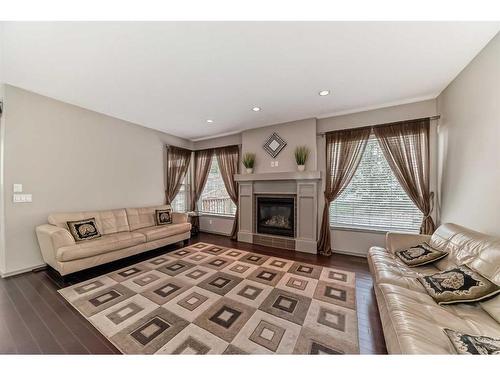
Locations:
(274, 145)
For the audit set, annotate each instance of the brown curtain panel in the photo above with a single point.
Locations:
(406, 148)
(344, 150)
(202, 164)
(229, 160)
(176, 164)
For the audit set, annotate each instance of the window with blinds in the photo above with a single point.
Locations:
(374, 199)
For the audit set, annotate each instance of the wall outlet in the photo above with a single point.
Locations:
(210, 221)
(22, 198)
(276, 163)
(17, 188)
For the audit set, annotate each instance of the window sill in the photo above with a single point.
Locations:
(211, 214)
(368, 230)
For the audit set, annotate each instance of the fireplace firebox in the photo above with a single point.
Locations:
(275, 215)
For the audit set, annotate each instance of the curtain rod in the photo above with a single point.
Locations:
(394, 122)
(215, 148)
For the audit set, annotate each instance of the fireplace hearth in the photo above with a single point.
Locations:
(275, 215)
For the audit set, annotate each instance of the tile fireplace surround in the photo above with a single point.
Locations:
(302, 185)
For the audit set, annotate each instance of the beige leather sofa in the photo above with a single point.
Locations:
(125, 232)
(412, 322)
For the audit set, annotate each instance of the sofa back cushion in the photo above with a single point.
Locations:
(143, 217)
(108, 222)
(114, 221)
(478, 251)
(487, 263)
(463, 245)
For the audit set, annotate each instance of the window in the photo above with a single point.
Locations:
(179, 204)
(214, 198)
(374, 199)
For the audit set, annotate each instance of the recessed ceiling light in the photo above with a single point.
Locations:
(256, 109)
(324, 92)
(210, 121)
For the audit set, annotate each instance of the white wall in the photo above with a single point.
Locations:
(297, 133)
(228, 140)
(469, 139)
(2, 128)
(2, 76)
(2, 184)
(72, 159)
(216, 224)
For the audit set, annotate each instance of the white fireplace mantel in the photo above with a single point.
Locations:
(302, 185)
(279, 176)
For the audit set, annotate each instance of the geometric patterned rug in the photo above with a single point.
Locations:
(207, 299)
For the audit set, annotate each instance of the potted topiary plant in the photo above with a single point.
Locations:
(249, 161)
(301, 154)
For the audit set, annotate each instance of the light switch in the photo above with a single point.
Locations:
(23, 198)
(18, 188)
(276, 163)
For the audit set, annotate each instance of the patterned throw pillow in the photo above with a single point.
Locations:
(83, 230)
(420, 255)
(163, 217)
(459, 284)
(468, 344)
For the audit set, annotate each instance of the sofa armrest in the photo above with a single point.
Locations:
(397, 241)
(179, 217)
(51, 238)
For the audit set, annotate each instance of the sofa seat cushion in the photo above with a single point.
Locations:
(161, 231)
(419, 322)
(387, 268)
(492, 307)
(105, 244)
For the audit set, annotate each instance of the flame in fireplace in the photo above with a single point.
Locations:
(278, 221)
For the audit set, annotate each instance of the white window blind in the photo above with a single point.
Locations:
(179, 204)
(374, 199)
(214, 198)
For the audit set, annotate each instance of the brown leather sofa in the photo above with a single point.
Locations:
(412, 321)
(125, 232)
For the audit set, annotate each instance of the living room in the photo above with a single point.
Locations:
(200, 187)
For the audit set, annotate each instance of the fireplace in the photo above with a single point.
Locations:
(275, 215)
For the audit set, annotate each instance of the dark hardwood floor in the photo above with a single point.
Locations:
(35, 319)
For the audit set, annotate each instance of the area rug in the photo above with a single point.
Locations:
(208, 299)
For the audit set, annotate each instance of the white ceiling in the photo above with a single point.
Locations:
(173, 76)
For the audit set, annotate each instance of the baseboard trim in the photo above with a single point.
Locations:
(21, 270)
(215, 232)
(350, 253)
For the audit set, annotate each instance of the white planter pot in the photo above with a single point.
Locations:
(249, 170)
(301, 168)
